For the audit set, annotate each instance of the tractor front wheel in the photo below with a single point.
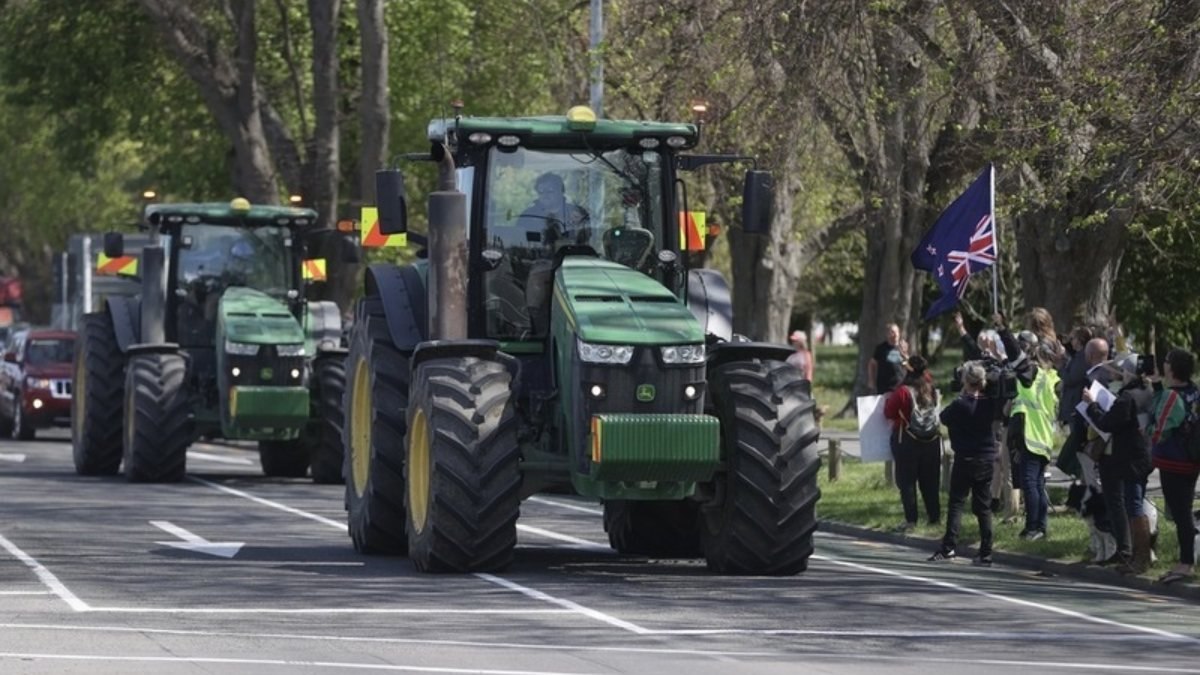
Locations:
(326, 454)
(158, 425)
(375, 402)
(98, 387)
(765, 515)
(462, 467)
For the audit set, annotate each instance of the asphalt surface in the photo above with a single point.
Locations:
(231, 572)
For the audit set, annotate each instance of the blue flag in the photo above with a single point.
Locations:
(961, 242)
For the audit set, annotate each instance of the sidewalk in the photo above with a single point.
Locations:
(848, 442)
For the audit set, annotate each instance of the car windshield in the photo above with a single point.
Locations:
(46, 351)
(542, 202)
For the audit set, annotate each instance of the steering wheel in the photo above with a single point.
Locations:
(628, 246)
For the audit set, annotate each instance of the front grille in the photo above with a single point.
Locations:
(60, 388)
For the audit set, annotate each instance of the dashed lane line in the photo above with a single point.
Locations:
(566, 505)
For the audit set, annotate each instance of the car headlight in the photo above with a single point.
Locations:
(240, 348)
(290, 350)
(683, 354)
(618, 354)
(36, 383)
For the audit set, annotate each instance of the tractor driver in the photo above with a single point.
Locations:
(551, 219)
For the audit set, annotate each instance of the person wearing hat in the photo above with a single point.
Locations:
(1125, 465)
(802, 358)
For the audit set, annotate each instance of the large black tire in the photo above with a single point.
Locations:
(158, 424)
(765, 516)
(98, 383)
(285, 459)
(6, 424)
(375, 404)
(22, 428)
(664, 529)
(326, 455)
(462, 466)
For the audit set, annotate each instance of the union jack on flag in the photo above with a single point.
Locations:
(961, 242)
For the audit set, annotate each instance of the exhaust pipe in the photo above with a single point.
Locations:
(447, 254)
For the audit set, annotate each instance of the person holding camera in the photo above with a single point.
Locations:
(1125, 467)
(969, 419)
(916, 442)
(1175, 409)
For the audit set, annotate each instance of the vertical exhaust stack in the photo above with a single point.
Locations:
(447, 254)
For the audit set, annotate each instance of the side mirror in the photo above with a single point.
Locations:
(389, 197)
(758, 202)
(349, 250)
(114, 244)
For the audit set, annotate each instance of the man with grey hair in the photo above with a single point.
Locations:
(969, 420)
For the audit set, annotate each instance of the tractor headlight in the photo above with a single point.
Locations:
(616, 354)
(290, 350)
(240, 348)
(683, 354)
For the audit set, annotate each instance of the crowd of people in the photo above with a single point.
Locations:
(1125, 417)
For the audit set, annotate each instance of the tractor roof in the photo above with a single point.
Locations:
(578, 128)
(237, 212)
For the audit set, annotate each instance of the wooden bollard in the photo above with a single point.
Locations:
(835, 459)
(889, 472)
(947, 461)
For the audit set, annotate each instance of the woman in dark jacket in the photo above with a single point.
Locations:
(912, 409)
(1125, 467)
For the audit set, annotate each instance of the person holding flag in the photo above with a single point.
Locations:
(961, 242)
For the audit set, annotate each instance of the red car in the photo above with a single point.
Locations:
(35, 382)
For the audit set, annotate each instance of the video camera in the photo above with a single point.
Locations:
(1001, 381)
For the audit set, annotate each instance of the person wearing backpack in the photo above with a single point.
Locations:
(912, 409)
(1174, 420)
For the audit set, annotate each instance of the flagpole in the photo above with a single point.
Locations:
(995, 238)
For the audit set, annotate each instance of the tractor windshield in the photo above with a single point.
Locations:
(539, 202)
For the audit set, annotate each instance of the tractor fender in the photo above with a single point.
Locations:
(488, 350)
(405, 308)
(325, 325)
(709, 299)
(127, 321)
(729, 352)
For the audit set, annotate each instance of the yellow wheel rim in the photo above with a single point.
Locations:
(418, 470)
(360, 427)
(78, 400)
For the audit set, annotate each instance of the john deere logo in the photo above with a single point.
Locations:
(645, 393)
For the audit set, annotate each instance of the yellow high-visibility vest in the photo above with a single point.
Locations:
(1039, 403)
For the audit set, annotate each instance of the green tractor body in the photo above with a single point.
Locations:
(219, 343)
(556, 337)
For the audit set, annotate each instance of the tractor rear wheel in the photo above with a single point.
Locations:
(765, 516)
(98, 388)
(374, 403)
(665, 529)
(462, 467)
(284, 459)
(326, 454)
(158, 425)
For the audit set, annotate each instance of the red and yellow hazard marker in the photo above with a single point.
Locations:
(125, 265)
(372, 237)
(692, 230)
(314, 269)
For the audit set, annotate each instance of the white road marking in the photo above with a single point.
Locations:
(196, 543)
(46, 576)
(566, 505)
(26, 593)
(322, 610)
(574, 606)
(272, 662)
(1003, 598)
(241, 461)
(958, 663)
(266, 502)
(541, 646)
(12, 456)
(576, 542)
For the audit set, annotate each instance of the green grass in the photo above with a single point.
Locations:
(862, 497)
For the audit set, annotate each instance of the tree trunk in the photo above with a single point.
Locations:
(323, 163)
(1070, 272)
(373, 106)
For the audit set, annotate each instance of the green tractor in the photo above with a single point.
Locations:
(553, 337)
(220, 343)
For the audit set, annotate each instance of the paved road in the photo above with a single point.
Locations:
(98, 576)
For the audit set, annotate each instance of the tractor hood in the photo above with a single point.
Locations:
(254, 317)
(608, 303)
